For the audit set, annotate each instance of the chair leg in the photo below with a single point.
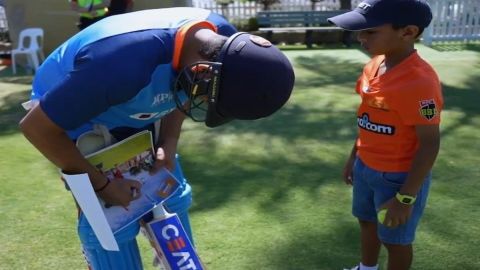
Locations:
(14, 69)
(309, 39)
(42, 57)
(35, 63)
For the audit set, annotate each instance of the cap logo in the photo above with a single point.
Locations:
(260, 41)
(364, 6)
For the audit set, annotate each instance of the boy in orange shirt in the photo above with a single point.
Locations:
(398, 119)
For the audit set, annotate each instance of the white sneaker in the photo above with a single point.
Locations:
(356, 267)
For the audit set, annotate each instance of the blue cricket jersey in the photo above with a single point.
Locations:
(117, 72)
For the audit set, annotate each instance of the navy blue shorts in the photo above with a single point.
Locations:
(372, 188)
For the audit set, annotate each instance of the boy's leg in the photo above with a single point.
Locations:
(399, 256)
(398, 240)
(369, 242)
(363, 207)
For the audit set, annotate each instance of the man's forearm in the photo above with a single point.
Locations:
(171, 127)
(56, 146)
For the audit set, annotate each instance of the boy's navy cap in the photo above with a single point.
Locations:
(256, 80)
(373, 13)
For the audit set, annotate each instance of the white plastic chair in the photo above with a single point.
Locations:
(30, 43)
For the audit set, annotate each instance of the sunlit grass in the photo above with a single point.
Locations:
(267, 193)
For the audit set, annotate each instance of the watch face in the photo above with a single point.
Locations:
(407, 200)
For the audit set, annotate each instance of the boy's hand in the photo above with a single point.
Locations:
(119, 192)
(165, 157)
(397, 213)
(348, 171)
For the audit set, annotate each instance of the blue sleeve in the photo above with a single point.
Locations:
(106, 73)
(223, 26)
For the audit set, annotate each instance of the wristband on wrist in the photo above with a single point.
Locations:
(405, 199)
(104, 186)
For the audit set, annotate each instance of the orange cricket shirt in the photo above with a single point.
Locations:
(392, 105)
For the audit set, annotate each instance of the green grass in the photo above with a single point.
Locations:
(267, 193)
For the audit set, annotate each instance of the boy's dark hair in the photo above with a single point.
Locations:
(212, 47)
(400, 26)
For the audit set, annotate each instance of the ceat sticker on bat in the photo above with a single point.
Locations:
(260, 41)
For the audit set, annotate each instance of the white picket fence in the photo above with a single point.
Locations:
(247, 9)
(453, 20)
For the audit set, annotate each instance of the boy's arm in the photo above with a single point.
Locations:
(429, 144)
(348, 168)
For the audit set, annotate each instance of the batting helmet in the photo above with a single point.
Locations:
(250, 79)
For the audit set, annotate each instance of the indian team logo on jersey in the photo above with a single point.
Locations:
(144, 116)
(428, 109)
(148, 115)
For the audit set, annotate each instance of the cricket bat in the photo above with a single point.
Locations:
(170, 242)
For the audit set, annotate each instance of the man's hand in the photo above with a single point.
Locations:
(165, 156)
(397, 213)
(120, 192)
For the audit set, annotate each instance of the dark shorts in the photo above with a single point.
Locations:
(372, 188)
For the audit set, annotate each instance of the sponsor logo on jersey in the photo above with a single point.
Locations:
(428, 109)
(162, 98)
(365, 123)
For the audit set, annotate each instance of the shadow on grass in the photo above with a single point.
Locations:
(22, 76)
(218, 180)
(277, 174)
(328, 70)
(465, 100)
(318, 249)
(11, 112)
